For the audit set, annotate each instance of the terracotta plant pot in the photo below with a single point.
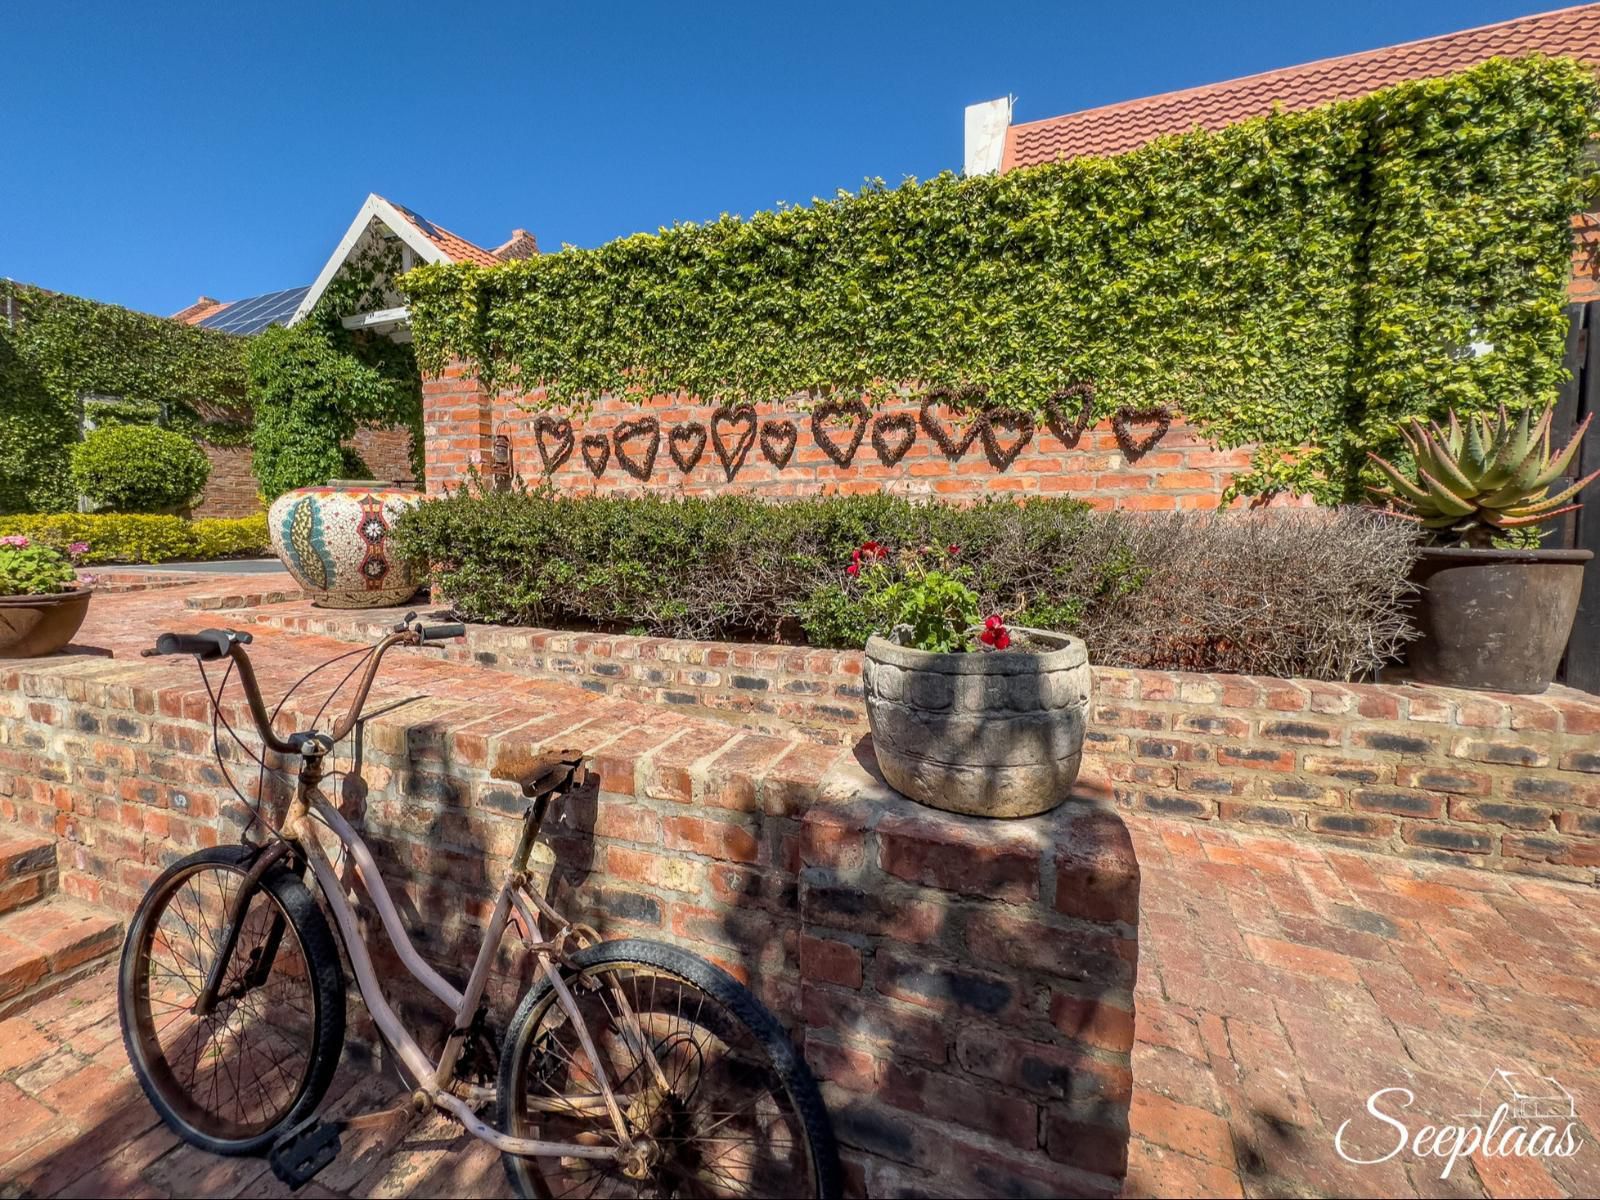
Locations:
(335, 541)
(1496, 620)
(984, 734)
(35, 625)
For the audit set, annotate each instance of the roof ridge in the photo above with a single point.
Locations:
(1352, 57)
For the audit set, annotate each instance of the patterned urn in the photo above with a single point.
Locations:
(335, 541)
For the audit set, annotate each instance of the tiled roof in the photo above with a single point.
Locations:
(199, 310)
(458, 248)
(1114, 128)
(521, 244)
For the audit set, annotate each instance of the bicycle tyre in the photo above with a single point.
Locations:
(324, 982)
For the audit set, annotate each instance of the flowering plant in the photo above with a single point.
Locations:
(922, 598)
(28, 568)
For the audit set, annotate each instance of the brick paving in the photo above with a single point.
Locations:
(1279, 985)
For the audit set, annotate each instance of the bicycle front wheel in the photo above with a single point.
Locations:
(232, 1080)
(707, 1084)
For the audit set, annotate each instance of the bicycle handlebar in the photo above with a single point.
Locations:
(210, 645)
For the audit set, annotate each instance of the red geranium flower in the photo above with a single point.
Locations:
(995, 635)
(867, 552)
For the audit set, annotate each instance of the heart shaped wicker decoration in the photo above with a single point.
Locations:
(643, 428)
(778, 439)
(559, 432)
(743, 419)
(1021, 426)
(1070, 434)
(686, 443)
(596, 453)
(937, 430)
(841, 452)
(892, 435)
(1159, 416)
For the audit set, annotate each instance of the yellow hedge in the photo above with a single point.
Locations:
(127, 538)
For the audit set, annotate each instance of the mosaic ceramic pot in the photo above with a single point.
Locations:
(335, 541)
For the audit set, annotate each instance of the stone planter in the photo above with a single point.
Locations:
(1496, 620)
(335, 541)
(984, 734)
(35, 625)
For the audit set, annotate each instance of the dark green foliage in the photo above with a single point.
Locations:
(313, 385)
(55, 350)
(139, 469)
(1300, 280)
(1316, 594)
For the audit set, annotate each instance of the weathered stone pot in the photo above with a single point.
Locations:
(984, 734)
(35, 625)
(335, 541)
(1497, 620)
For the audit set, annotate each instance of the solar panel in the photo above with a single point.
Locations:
(254, 314)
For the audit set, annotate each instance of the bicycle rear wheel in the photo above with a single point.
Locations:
(733, 1112)
(231, 1081)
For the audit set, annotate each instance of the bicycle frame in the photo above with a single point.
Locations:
(435, 1079)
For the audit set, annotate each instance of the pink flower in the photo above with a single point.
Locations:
(995, 635)
(952, 551)
(78, 548)
(853, 569)
(15, 539)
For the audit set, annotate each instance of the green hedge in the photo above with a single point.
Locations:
(123, 538)
(54, 349)
(1299, 279)
(1312, 593)
(139, 468)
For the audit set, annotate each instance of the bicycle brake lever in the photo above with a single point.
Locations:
(405, 623)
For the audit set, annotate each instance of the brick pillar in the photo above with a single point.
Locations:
(456, 426)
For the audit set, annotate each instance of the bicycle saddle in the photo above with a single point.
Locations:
(546, 774)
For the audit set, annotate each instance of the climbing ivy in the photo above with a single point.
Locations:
(1300, 281)
(313, 384)
(55, 350)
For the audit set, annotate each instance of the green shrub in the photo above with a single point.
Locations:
(131, 538)
(1315, 593)
(139, 469)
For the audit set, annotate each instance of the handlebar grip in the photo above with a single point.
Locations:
(438, 633)
(207, 645)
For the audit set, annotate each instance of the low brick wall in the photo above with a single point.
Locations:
(1486, 780)
(233, 490)
(964, 991)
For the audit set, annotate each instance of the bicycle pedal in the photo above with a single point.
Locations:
(303, 1150)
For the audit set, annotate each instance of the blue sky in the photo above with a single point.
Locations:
(156, 151)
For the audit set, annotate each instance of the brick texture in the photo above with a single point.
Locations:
(233, 491)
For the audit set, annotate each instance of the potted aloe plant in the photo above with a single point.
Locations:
(967, 715)
(42, 600)
(1495, 610)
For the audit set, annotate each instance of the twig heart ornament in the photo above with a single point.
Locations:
(892, 435)
(1021, 426)
(778, 439)
(596, 453)
(841, 452)
(1159, 416)
(553, 437)
(937, 430)
(647, 429)
(1053, 415)
(686, 443)
(743, 419)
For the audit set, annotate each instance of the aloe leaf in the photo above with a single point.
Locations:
(1443, 465)
(1444, 499)
(1505, 522)
(1549, 502)
(1443, 522)
(1411, 491)
(1560, 462)
(1475, 457)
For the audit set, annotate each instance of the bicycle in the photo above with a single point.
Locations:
(630, 1067)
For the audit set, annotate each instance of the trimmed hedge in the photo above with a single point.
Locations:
(1306, 593)
(130, 538)
(139, 469)
(1302, 281)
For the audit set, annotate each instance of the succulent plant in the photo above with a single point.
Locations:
(1484, 478)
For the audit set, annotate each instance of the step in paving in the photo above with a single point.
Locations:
(27, 870)
(49, 945)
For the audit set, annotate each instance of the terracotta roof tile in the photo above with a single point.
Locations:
(521, 244)
(1114, 128)
(458, 248)
(199, 310)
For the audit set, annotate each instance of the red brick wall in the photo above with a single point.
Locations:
(963, 991)
(1178, 469)
(1585, 284)
(232, 490)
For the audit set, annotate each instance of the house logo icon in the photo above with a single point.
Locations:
(1525, 1097)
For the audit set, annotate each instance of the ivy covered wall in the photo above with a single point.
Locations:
(1297, 282)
